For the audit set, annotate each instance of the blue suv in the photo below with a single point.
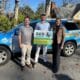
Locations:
(9, 40)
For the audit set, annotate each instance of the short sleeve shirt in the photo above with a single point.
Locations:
(26, 34)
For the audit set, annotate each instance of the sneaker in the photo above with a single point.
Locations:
(29, 65)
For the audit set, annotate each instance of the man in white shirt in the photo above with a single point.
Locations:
(45, 26)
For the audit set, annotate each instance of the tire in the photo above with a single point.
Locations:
(69, 49)
(5, 55)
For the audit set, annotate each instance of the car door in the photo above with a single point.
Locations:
(15, 41)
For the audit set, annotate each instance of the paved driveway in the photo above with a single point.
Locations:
(69, 70)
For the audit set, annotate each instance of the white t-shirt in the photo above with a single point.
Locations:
(42, 26)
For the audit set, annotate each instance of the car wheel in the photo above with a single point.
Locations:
(69, 49)
(4, 55)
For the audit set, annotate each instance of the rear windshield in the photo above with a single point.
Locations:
(70, 26)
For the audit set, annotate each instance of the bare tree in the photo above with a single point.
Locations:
(16, 11)
(47, 7)
(3, 6)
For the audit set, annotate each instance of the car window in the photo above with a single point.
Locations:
(18, 28)
(51, 23)
(70, 26)
(33, 25)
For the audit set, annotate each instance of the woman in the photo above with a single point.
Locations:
(58, 43)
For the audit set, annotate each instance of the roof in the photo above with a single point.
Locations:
(53, 20)
(77, 8)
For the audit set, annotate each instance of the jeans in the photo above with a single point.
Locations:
(26, 50)
(44, 53)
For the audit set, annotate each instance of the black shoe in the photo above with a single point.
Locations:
(55, 69)
(22, 68)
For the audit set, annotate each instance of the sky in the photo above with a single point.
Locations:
(32, 3)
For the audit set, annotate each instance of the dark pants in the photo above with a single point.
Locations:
(56, 57)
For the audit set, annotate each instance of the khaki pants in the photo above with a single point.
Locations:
(26, 50)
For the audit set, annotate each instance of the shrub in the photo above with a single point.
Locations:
(4, 23)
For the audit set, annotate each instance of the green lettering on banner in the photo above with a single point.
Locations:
(42, 37)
